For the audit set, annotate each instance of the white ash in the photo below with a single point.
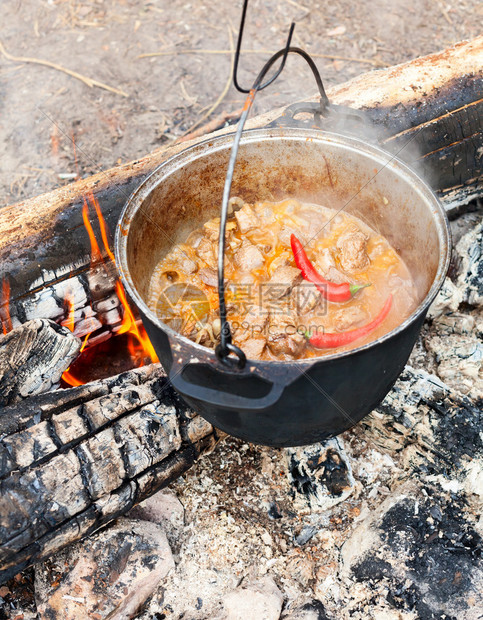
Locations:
(448, 299)
(470, 253)
(320, 474)
(260, 599)
(459, 360)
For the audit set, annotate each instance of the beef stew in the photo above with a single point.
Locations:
(279, 307)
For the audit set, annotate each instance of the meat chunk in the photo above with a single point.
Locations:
(283, 280)
(235, 202)
(350, 317)
(206, 251)
(257, 317)
(246, 218)
(324, 261)
(336, 276)
(304, 298)
(212, 229)
(252, 324)
(353, 251)
(254, 347)
(326, 266)
(181, 260)
(283, 337)
(248, 257)
(287, 231)
(209, 276)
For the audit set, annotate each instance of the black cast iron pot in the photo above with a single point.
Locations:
(308, 400)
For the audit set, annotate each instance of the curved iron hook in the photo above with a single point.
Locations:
(238, 51)
(225, 347)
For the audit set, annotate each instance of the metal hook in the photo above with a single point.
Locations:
(238, 50)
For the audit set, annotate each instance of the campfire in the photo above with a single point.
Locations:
(90, 425)
(95, 355)
(99, 320)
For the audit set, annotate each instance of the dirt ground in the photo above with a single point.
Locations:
(44, 111)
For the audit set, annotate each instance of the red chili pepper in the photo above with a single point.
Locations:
(330, 341)
(330, 290)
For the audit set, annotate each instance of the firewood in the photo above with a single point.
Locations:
(73, 460)
(429, 112)
(33, 358)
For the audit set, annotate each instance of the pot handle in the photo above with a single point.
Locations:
(222, 398)
(328, 116)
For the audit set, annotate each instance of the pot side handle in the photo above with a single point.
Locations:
(269, 393)
(329, 117)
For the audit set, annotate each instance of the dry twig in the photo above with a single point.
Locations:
(46, 63)
(216, 123)
(367, 61)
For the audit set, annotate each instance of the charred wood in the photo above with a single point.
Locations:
(33, 357)
(73, 460)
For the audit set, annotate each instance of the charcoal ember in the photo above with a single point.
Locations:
(43, 304)
(72, 289)
(455, 323)
(305, 534)
(320, 475)
(466, 283)
(50, 301)
(101, 281)
(465, 221)
(312, 610)
(470, 252)
(109, 575)
(107, 305)
(111, 318)
(459, 360)
(87, 324)
(73, 460)
(448, 299)
(422, 543)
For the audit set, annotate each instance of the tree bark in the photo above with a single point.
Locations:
(73, 460)
(428, 111)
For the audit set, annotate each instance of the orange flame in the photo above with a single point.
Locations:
(96, 255)
(69, 322)
(67, 376)
(138, 344)
(5, 320)
(102, 224)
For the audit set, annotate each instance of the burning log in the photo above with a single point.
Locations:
(429, 112)
(74, 460)
(33, 358)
